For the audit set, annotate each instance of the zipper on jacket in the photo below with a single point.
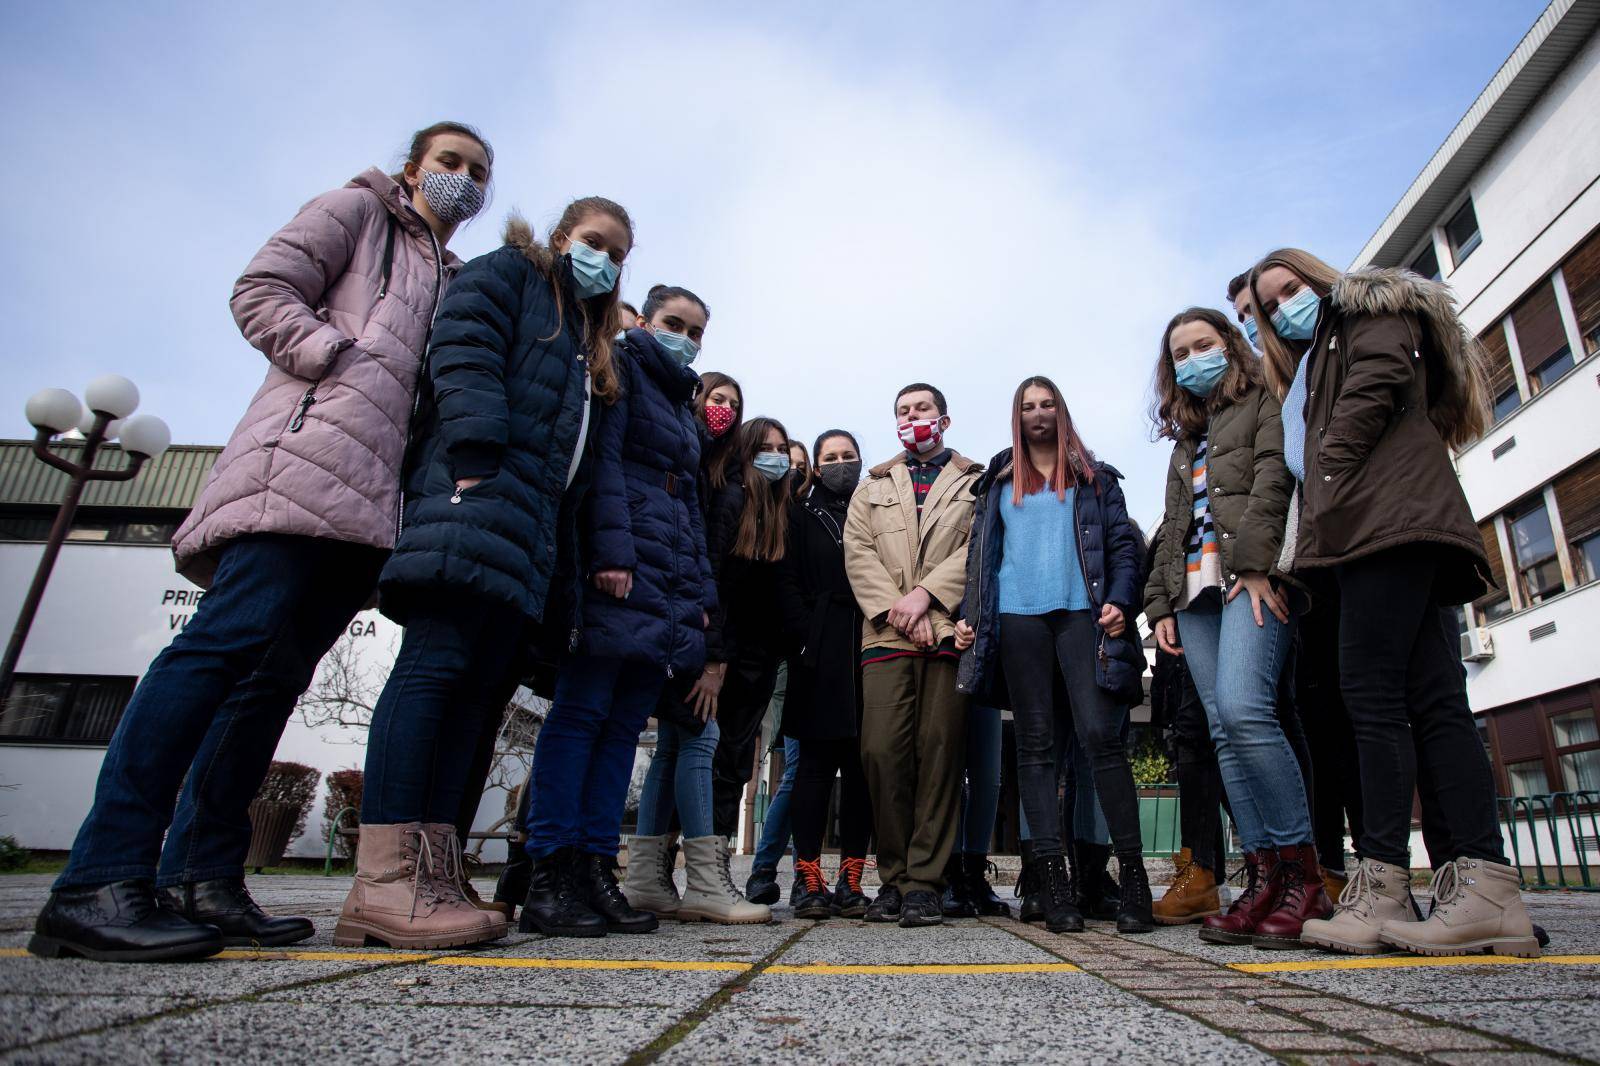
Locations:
(422, 368)
(301, 408)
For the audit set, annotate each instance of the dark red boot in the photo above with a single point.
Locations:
(1300, 896)
(1237, 925)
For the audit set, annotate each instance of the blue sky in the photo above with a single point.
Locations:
(961, 193)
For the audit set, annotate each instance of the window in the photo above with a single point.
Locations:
(1581, 270)
(1577, 495)
(1527, 778)
(1586, 558)
(1577, 745)
(1550, 371)
(1502, 379)
(64, 708)
(1541, 337)
(1505, 403)
(1462, 229)
(1533, 544)
(128, 527)
(1427, 264)
(1496, 607)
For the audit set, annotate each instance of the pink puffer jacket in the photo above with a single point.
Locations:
(318, 453)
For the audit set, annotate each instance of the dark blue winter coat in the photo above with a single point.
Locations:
(643, 514)
(502, 399)
(1112, 558)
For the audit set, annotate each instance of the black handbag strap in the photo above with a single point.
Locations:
(388, 257)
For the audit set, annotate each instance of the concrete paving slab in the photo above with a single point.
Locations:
(673, 941)
(959, 942)
(1557, 1026)
(210, 981)
(1002, 1019)
(1423, 984)
(491, 986)
(1423, 1039)
(28, 1019)
(294, 1033)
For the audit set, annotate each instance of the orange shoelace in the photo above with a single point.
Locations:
(810, 871)
(852, 870)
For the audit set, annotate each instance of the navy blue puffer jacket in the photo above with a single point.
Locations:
(643, 514)
(1112, 557)
(502, 399)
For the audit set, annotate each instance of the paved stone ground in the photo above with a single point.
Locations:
(845, 992)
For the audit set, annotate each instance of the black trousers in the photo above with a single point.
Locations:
(1033, 649)
(1405, 691)
(741, 707)
(1200, 792)
(1336, 777)
(820, 761)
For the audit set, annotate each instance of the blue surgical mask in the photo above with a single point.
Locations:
(773, 465)
(1202, 370)
(593, 273)
(1296, 319)
(680, 347)
(1250, 331)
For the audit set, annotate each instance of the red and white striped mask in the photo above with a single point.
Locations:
(921, 435)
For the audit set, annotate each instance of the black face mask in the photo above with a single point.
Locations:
(840, 479)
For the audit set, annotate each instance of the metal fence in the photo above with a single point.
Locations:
(1554, 838)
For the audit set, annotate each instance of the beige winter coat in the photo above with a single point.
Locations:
(888, 551)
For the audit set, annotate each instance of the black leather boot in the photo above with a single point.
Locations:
(512, 887)
(1096, 894)
(955, 902)
(604, 897)
(1133, 910)
(556, 899)
(1061, 915)
(1028, 886)
(226, 904)
(848, 899)
(979, 890)
(762, 887)
(119, 922)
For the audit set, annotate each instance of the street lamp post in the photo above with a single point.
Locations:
(110, 400)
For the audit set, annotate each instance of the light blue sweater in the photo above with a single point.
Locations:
(1294, 422)
(1040, 570)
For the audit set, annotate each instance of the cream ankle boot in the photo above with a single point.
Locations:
(647, 883)
(1375, 894)
(712, 896)
(402, 896)
(1477, 906)
(453, 867)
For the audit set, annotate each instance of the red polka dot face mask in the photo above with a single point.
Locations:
(718, 420)
(921, 435)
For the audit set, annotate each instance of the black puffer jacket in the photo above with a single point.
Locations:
(643, 515)
(503, 399)
(821, 621)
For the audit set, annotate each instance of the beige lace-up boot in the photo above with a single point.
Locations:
(1477, 906)
(405, 897)
(1377, 893)
(712, 896)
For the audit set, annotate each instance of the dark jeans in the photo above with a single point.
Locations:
(583, 760)
(1336, 777)
(746, 692)
(477, 776)
(1406, 693)
(456, 670)
(820, 762)
(1032, 649)
(213, 705)
(1200, 792)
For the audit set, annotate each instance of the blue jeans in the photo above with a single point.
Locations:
(680, 776)
(455, 672)
(1236, 665)
(981, 798)
(583, 760)
(775, 830)
(212, 707)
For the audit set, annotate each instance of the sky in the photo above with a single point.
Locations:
(865, 195)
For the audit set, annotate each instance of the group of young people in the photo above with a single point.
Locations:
(536, 485)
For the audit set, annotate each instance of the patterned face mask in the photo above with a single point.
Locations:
(453, 198)
(921, 435)
(718, 420)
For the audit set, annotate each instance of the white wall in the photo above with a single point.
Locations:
(1523, 668)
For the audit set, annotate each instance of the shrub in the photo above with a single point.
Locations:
(1150, 766)
(344, 790)
(13, 856)
(293, 783)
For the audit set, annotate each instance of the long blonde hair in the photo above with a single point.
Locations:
(1281, 356)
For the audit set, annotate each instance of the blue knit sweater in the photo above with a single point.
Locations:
(1040, 570)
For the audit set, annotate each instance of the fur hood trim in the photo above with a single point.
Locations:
(519, 235)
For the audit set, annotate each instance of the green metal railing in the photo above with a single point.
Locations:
(1533, 826)
(333, 832)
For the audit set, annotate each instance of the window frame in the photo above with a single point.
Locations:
(68, 709)
(1461, 252)
(1560, 751)
(1511, 517)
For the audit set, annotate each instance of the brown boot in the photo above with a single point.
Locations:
(405, 897)
(1333, 882)
(1477, 906)
(1300, 897)
(503, 910)
(1238, 925)
(453, 866)
(1191, 896)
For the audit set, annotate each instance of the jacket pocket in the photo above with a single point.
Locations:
(886, 515)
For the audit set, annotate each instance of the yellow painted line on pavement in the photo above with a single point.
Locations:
(271, 954)
(494, 961)
(935, 970)
(13, 953)
(1403, 961)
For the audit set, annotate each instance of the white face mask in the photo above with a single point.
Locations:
(453, 198)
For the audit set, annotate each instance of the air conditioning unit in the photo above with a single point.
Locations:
(1477, 645)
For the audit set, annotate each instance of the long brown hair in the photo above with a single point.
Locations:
(599, 312)
(1179, 414)
(1071, 453)
(715, 459)
(1281, 356)
(803, 486)
(764, 519)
